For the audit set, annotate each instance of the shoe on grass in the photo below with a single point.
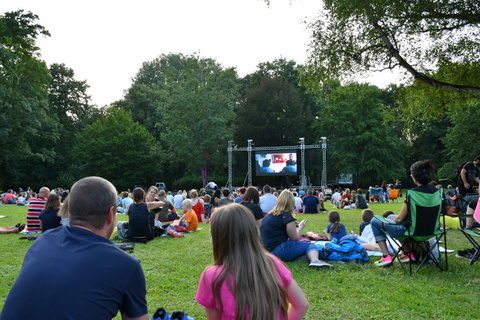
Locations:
(465, 254)
(161, 314)
(407, 257)
(319, 264)
(179, 315)
(384, 261)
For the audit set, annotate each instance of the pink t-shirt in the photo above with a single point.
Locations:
(206, 297)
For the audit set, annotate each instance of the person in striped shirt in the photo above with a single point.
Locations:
(37, 204)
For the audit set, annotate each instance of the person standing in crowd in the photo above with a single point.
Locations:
(469, 177)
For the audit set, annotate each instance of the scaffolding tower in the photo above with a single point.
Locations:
(251, 147)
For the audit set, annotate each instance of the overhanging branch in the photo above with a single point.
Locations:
(417, 75)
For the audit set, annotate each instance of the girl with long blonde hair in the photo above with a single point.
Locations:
(245, 282)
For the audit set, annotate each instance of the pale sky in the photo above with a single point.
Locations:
(105, 42)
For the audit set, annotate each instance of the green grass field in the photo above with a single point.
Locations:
(348, 291)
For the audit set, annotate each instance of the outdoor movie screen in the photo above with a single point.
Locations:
(280, 162)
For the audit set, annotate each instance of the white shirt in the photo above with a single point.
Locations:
(177, 201)
(267, 202)
(336, 196)
(298, 203)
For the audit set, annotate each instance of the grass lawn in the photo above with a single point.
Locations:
(172, 268)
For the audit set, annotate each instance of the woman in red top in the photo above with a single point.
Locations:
(197, 204)
(346, 198)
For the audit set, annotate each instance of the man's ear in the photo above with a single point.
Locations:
(112, 215)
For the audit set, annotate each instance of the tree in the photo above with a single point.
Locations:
(70, 103)
(434, 119)
(359, 143)
(27, 130)
(117, 148)
(419, 36)
(272, 114)
(187, 103)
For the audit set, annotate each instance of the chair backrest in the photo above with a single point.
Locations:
(425, 210)
(393, 194)
(376, 191)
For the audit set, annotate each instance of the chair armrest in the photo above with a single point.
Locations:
(384, 220)
(471, 232)
(461, 215)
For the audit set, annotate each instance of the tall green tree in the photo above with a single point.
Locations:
(434, 119)
(27, 130)
(358, 141)
(116, 148)
(419, 36)
(187, 103)
(290, 72)
(461, 141)
(272, 114)
(70, 103)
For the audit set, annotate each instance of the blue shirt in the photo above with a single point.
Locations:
(311, 204)
(338, 235)
(273, 230)
(73, 273)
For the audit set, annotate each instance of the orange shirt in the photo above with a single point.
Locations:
(191, 218)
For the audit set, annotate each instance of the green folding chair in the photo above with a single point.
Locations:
(424, 231)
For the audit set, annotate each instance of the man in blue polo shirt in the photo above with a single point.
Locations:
(76, 272)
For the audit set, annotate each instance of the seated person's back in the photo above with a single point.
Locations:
(140, 222)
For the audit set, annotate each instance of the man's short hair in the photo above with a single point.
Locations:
(267, 189)
(44, 192)
(161, 193)
(89, 202)
(226, 192)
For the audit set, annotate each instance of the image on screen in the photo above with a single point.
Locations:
(280, 162)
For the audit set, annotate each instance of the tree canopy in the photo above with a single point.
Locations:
(187, 103)
(420, 36)
(359, 142)
(27, 131)
(117, 148)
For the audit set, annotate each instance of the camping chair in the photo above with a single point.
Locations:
(457, 206)
(470, 234)
(376, 193)
(393, 194)
(423, 232)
